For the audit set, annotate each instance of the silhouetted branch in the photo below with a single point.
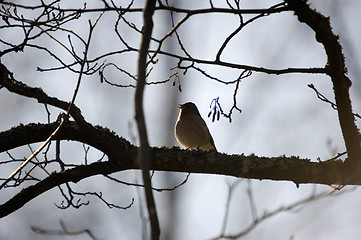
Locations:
(24, 163)
(144, 158)
(337, 71)
(70, 197)
(158, 8)
(153, 188)
(241, 26)
(324, 99)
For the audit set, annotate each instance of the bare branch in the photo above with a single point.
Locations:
(153, 188)
(64, 231)
(144, 158)
(268, 214)
(337, 71)
(160, 7)
(324, 99)
(231, 188)
(192, 61)
(71, 197)
(240, 27)
(33, 155)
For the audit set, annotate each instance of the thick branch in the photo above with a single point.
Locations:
(8, 81)
(337, 71)
(164, 159)
(37, 132)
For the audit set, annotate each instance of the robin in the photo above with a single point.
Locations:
(191, 130)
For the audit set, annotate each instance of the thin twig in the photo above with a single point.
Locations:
(231, 188)
(62, 118)
(324, 99)
(266, 215)
(32, 155)
(63, 231)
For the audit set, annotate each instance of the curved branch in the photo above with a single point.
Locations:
(240, 27)
(11, 84)
(337, 71)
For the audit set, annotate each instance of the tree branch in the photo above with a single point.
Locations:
(337, 71)
(167, 159)
(159, 8)
(139, 116)
(11, 84)
(192, 60)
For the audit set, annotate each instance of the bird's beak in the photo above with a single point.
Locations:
(180, 106)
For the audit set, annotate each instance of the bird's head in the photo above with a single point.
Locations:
(188, 107)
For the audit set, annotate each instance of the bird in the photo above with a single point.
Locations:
(191, 130)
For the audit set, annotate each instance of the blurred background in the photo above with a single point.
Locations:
(280, 116)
